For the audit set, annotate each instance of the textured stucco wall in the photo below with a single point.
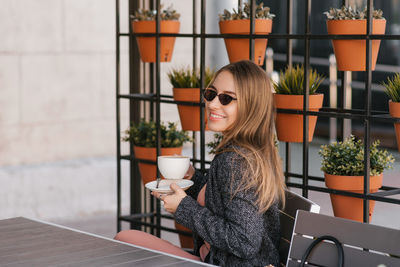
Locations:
(57, 105)
(56, 80)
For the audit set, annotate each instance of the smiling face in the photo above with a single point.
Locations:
(220, 117)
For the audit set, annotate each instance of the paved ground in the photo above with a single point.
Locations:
(385, 214)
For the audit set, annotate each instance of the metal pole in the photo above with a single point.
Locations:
(306, 96)
(289, 60)
(158, 145)
(134, 117)
(252, 22)
(368, 63)
(117, 82)
(202, 69)
(194, 31)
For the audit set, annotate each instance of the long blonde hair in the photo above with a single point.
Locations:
(254, 130)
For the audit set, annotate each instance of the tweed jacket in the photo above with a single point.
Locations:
(237, 233)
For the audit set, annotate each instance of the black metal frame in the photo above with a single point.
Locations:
(367, 115)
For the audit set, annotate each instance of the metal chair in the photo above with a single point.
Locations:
(294, 202)
(363, 244)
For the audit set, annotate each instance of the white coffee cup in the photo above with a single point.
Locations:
(173, 167)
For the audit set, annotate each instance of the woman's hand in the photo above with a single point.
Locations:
(189, 173)
(171, 202)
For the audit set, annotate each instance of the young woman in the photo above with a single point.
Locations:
(233, 209)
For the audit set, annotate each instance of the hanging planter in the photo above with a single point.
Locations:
(289, 127)
(394, 110)
(351, 207)
(238, 49)
(350, 54)
(189, 115)
(343, 166)
(143, 137)
(144, 22)
(186, 83)
(289, 95)
(392, 89)
(239, 23)
(148, 172)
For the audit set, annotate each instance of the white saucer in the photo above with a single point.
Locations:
(164, 188)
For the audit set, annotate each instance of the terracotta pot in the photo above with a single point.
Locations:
(350, 54)
(351, 207)
(394, 110)
(289, 127)
(186, 241)
(189, 115)
(148, 172)
(147, 45)
(238, 49)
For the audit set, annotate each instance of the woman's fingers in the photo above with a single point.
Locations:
(177, 190)
(158, 195)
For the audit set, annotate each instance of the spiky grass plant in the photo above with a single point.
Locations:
(347, 158)
(189, 78)
(244, 13)
(349, 13)
(144, 134)
(146, 14)
(291, 81)
(392, 87)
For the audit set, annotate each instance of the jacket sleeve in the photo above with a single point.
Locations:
(239, 228)
(199, 179)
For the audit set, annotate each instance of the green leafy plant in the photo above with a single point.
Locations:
(213, 144)
(347, 158)
(144, 134)
(244, 13)
(349, 13)
(291, 81)
(392, 87)
(146, 14)
(189, 78)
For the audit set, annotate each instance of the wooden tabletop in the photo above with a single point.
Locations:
(26, 242)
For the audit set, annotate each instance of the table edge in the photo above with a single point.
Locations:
(116, 241)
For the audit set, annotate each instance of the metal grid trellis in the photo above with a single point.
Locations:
(138, 217)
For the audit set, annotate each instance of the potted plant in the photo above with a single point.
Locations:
(289, 95)
(143, 137)
(350, 54)
(343, 166)
(186, 87)
(392, 88)
(144, 21)
(212, 145)
(239, 23)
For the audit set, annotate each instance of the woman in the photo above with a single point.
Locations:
(235, 219)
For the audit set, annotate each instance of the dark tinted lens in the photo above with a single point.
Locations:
(225, 99)
(209, 94)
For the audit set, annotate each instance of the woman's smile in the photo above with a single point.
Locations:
(215, 116)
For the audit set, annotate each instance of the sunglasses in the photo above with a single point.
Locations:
(224, 99)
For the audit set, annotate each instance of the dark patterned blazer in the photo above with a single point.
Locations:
(238, 234)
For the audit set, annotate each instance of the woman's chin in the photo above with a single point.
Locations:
(215, 126)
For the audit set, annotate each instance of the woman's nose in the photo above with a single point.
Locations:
(214, 103)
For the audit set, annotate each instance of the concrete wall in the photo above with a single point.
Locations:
(57, 104)
(57, 81)
(57, 108)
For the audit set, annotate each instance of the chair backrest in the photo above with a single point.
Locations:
(363, 244)
(293, 203)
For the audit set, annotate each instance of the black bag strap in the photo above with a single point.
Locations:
(339, 248)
